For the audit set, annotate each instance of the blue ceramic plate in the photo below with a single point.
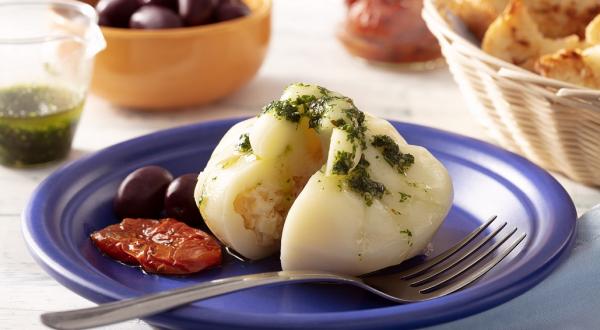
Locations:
(76, 200)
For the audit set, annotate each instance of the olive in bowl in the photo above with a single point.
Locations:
(116, 13)
(165, 14)
(172, 68)
(154, 17)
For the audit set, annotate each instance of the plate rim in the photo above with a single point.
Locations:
(379, 317)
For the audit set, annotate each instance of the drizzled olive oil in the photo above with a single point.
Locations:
(37, 123)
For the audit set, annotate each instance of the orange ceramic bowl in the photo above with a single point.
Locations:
(175, 68)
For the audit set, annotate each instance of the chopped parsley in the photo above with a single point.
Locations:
(392, 154)
(409, 234)
(315, 108)
(356, 128)
(283, 109)
(244, 144)
(303, 99)
(338, 122)
(404, 197)
(359, 181)
(324, 91)
(343, 162)
(356, 116)
(294, 109)
(352, 121)
(315, 111)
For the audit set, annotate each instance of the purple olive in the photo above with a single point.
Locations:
(197, 12)
(116, 13)
(141, 194)
(179, 200)
(230, 9)
(171, 4)
(154, 17)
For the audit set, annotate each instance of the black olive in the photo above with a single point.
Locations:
(171, 4)
(116, 13)
(154, 17)
(141, 194)
(231, 9)
(179, 200)
(197, 12)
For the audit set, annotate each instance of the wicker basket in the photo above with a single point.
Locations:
(554, 124)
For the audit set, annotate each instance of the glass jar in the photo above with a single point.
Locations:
(46, 56)
(390, 31)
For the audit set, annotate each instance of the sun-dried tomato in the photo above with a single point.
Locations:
(165, 246)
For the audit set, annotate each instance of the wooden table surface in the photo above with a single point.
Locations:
(303, 49)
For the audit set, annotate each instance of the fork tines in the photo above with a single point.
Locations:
(439, 276)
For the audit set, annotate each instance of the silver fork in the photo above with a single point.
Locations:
(450, 271)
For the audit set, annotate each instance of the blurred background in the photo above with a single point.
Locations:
(303, 48)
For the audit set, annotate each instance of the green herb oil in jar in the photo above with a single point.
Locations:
(37, 123)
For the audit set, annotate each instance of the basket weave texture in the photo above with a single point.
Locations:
(522, 111)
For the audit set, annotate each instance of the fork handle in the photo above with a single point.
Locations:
(123, 310)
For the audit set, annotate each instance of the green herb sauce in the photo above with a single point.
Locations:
(315, 108)
(360, 181)
(356, 128)
(338, 122)
(342, 163)
(284, 110)
(404, 197)
(392, 154)
(353, 123)
(37, 123)
(315, 111)
(244, 143)
(290, 110)
(407, 232)
(324, 91)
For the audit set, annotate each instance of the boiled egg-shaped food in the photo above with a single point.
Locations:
(335, 189)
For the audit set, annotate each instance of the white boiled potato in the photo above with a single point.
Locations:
(373, 202)
(244, 196)
(271, 136)
(332, 230)
(339, 142)
(329, 228)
